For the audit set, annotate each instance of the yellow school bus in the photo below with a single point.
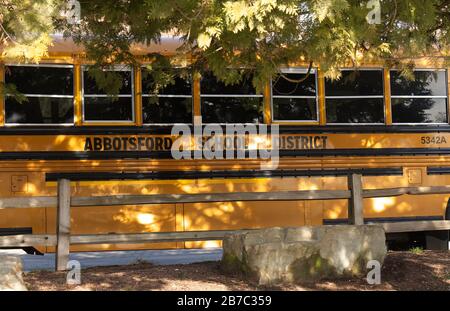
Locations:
(392, 130)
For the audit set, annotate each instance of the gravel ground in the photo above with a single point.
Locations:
(429, 270)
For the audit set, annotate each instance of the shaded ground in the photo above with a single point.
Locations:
(177, 256)
(401, 271)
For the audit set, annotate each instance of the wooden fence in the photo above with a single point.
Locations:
(63, 201)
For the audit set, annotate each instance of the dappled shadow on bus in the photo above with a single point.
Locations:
(188, 217)
(221, 215)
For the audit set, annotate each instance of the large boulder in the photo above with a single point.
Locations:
(290, 255)
(11, 274)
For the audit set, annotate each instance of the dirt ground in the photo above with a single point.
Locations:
(429, 270)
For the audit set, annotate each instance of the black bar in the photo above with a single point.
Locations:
(383, 219)
(438, 170)
(15, 231)
(370, 298)
(166, 154)
(166, 129)
(82, 155)
(168, 175)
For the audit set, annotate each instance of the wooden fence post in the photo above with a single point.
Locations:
(355, 203)
(63, 225)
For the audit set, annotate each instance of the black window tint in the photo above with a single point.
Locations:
(210, 85)
(356, 83)
(425, 83)
(90, 85)
(40, 80)
(419, 110)
(39, 110)
(285, 108)
(359, 110)
(167, 109)
(232, 109)
(283, 87)
(108, 109)
(182, 85)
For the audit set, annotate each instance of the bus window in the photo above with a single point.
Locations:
(357, 97)
(422, 100)
(44, 95)
(237, 103)
(169, 104)
(100, 106)
(295, 101)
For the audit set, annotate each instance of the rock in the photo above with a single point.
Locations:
(11, 274)
(290, 255)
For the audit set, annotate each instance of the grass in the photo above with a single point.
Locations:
(416, 250)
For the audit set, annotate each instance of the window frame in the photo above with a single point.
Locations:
(48, 65)
(296, 70)
(146, 95)
(107, 122)
(422, 96)
(201, 95)
(383, 96)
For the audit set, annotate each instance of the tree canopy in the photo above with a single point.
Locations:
(227, 36)
(26, 27)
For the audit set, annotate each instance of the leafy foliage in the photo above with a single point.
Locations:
(416, 250)
(227, 36)
(26, 27)
(11, 90)
(261, 36)
(25, 33)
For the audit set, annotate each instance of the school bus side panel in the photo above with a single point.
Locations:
(20, 220)
(239, 215)
(119, 219)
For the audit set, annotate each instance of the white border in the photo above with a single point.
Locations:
(423, 96)
(359, 97)
(114, 68)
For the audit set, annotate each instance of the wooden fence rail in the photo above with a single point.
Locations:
(47, 201)
(62, 240)
(25, 240)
